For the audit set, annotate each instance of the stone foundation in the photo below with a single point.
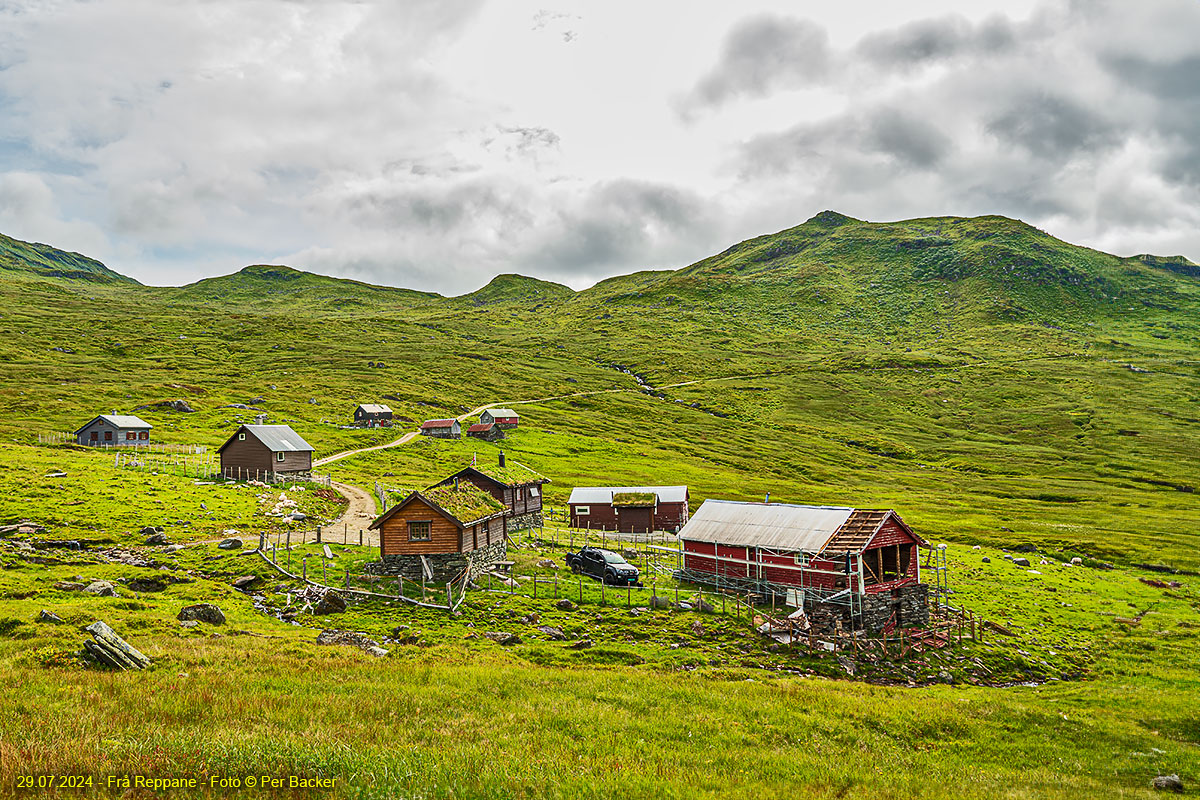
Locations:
(531, 519)
(910, 604)
(445, 566)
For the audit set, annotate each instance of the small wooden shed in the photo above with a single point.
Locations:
(114, 430)
(442, 531)
(488, 431)
(506, 418)
(256, 450)
(442, 428)
(372, 415)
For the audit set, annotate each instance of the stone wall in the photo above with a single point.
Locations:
(910, 604)
(532, 519)
(445, 566)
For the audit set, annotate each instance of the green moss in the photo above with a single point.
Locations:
(634, 499)
(467, 503)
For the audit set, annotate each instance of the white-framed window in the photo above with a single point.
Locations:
(533, 491)
(801, 560)
(241, 437)
(582, 511)
(280, 456)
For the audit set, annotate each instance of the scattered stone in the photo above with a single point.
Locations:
(50, 617)
(1167, 783)
(204, 612)
(351, 639)
(296, 516)
(237, 405)
(1021, 562)
(553, 633)
(69, 586)
(582, 644)
(330, 603)
(986, 560)
(101, 588)
(945, 677)
(174, 405)
(848, 665)
(157, 539)
(57, 475)
(659, 602)
(530, 619)
(256, 401)
(976, 547)
(55, 544)
(548, 563)
(244, 581)
(108, 648)
(147, 584)
(705, 607)
(565, 605)
(189, 623)
(230, 544)
(697, 628)
(378, 652)
(502, 638)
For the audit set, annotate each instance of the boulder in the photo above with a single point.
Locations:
(1167, 783)
(659, 602)
(985, 560)
(101, 588)
(376, 651)
(553, 633)
(203, 612)
(582, 644)
(705, 607)
(330, 603)
(157, 539)
(108, 648)
(244, 581)
(565, 605)
(1021, 562)
(230, 544)
(50, 617)
(147, 584)
(503, 638)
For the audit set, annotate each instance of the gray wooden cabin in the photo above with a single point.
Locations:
(114, 430)
(372, 415)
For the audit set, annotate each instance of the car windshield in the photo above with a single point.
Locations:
(612, 558)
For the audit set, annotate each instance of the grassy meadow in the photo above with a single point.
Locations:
(997, 387)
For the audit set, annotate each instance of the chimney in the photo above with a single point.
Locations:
(501, 458)
(456, 483)
(260, 419)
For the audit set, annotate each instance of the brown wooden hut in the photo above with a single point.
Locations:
(515, 485)
(257, 450)
(488, 431)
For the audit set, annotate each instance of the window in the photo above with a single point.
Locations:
(241, 437)
(95, 436)
(144, 435)
(582, 511)
(533, 491)
(420, 531)
(801, 560)
(108, 436)
(280, 456)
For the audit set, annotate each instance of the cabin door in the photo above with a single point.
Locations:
(636, 520)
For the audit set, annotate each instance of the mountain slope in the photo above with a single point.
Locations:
(46, 262)
(280, 288)
(511, 288)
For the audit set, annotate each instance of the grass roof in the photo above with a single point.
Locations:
(511, 474)
(634, 498)
(467, 503)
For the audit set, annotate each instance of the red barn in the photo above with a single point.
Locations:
(816, 553)
(629, 509)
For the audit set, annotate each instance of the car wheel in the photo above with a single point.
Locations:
(575, 568)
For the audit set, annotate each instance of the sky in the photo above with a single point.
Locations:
(433, 144)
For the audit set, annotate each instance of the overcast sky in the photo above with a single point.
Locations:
(435, 143)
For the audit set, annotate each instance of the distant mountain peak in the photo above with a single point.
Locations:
(510, 286)
(830, 219)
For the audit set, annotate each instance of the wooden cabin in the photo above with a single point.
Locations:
(439, 532)
(487, 431)
(817, 555)
(114, 430)
(505, 418)
(257, 450)
(372, 415)
(442, 428)
(515, 485)
(629, 509)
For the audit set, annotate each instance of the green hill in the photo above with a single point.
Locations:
(511, 288)
(42, 261)
(278, 287)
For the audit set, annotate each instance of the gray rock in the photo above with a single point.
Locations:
(705, 607)
(986, 560)
(189, 623)
(1167, 783)
(1021, 562)
(378, 652)
(256, 401)
(69, 586)
(848, 665)
(330, 603)
(110, 649)
(204, 612)
(582, 644)
(659, 602)
(147, 585)
(1077, 561)
(157, 539)
(565, 605)
(500, 637)
(553, 633)
(244, 581)
(50, 617)
(945, 677)
(230, 544)
(102, 588)
(548, 563)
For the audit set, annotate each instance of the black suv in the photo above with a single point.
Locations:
(605, 565)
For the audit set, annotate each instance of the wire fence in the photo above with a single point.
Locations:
(55, 438)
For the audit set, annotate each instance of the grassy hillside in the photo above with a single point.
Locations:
(995, 385)
(27, 259)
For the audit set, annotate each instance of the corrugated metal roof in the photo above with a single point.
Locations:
(502, 412)
(374, 408)
(777, 525)
(480, 427)
(125, 421)
(438, 423)
(604, 494)
(278, 438)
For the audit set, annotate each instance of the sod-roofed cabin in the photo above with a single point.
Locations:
(441, 428)
(440, 532)
(487, 431)
(114, 430)
(505, 418)
(372, 415)
(255, 451)
(515, 485)
(629, 509)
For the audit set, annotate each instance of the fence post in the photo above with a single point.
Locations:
(399, 586)
(324, 573)
(360, 537)
(318, 534)
(347, 579)
(449, 598)
(305, 574)
(274, 559)
(581, 591)
(535, 587)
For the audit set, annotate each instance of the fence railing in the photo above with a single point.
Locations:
(166, 463)
(60, 438)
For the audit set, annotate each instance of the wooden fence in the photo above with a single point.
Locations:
(59, 438)
(166, 463)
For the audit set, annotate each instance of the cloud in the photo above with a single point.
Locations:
(763, 54)
(928, 41)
